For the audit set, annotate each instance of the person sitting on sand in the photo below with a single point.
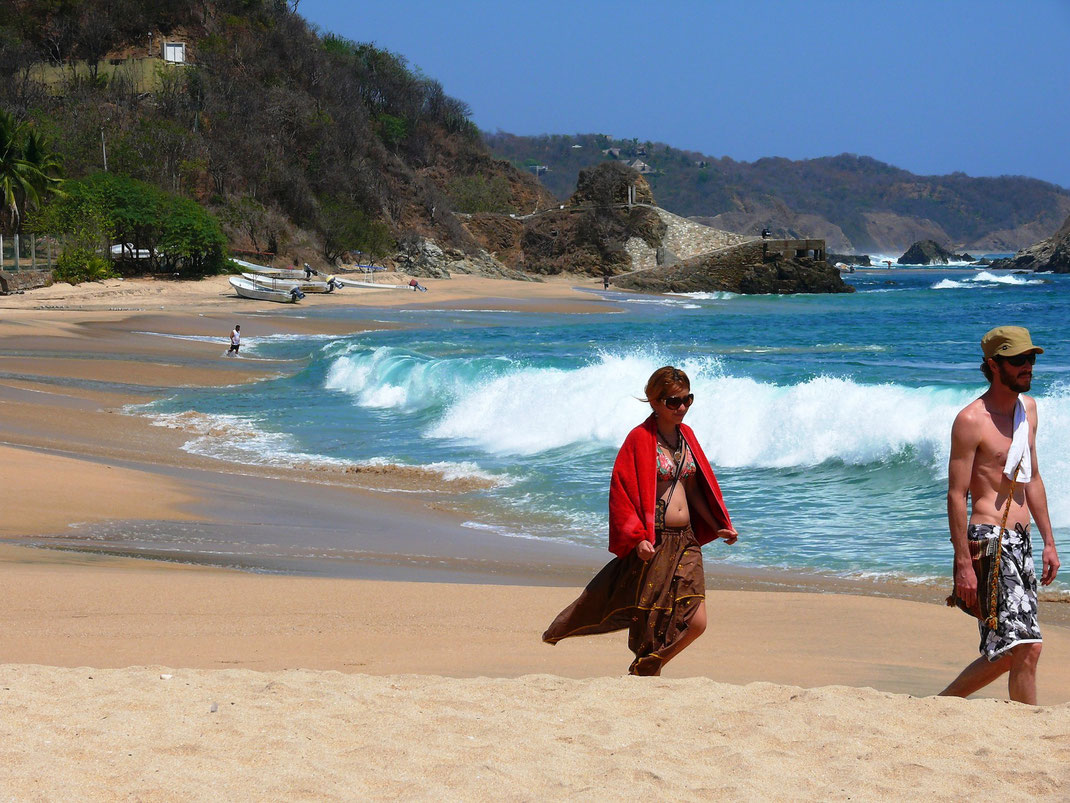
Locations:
(993, 449)
(235, 340)
(655, 587)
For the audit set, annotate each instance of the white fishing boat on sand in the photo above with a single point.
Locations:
(377, 286)
(278, 273)
(304, 285)
(248, 289)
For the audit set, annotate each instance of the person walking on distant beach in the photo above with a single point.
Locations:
(655, 586)
(994, 462)
(235, 340)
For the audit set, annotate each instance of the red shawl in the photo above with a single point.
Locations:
(633, 490)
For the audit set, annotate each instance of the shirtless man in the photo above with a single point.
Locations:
(981, 440)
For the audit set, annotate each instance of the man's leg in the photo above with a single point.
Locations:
(1022, 684)
(976, 676)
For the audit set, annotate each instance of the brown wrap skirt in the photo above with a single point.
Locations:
(654, 599)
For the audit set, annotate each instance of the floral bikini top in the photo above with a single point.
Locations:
(667, 465)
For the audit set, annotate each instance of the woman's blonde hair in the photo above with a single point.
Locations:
(662, 380)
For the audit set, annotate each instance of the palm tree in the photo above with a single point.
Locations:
(12, 170)
(44, 165)
(29, 170)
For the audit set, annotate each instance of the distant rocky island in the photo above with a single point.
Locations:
(1050, 254)
(930, 252)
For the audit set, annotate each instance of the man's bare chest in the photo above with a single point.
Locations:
(994, 444)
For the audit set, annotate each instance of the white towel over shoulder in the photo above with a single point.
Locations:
(1019, 451)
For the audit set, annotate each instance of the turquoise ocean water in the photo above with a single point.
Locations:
(826, 417)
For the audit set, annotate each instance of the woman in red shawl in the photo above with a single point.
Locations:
(664, 504)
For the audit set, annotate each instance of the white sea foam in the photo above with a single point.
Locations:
(663, 301)
(237, 438)
(951, 284)
(714, 296)
(878, 260)
(984, 279)
(248, 342)
(242, 440)
(1004, 278)
(499, 530)
(450, 471)
(389, 378)
(741, 422)
(282, 337)
(197, 338)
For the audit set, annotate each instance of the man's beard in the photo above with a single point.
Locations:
(1013, 382)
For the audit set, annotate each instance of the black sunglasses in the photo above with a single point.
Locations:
(674, 402)
(1018, 360)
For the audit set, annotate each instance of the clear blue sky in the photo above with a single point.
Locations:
(933, 86)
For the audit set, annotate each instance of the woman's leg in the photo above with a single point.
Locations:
(695, 628)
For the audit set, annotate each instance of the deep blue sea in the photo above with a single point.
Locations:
(826, 417)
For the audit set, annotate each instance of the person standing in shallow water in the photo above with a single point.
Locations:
(991, 438)
(662, 484)
(235, 340)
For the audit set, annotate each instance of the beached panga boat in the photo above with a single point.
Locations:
(279, 283)
(356, 283)
(248, 289)
(279, 273)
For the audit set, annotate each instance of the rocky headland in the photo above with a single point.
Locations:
(419, 256)
(855, 203)
(1052, 254)
(612, 227)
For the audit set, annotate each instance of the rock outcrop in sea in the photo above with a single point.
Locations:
(746, 269)
(1052, 254)
(858, 260)
(930, 252)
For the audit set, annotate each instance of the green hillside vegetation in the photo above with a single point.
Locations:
(180, 236)
(844, 190)
(292, 140)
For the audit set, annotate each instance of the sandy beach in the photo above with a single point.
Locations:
(421, 675)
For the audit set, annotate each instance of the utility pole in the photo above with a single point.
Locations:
(104, 149)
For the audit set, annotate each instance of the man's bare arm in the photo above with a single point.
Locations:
(965, 437)
(1037, 498)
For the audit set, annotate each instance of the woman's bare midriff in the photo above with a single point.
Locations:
(677, 513)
